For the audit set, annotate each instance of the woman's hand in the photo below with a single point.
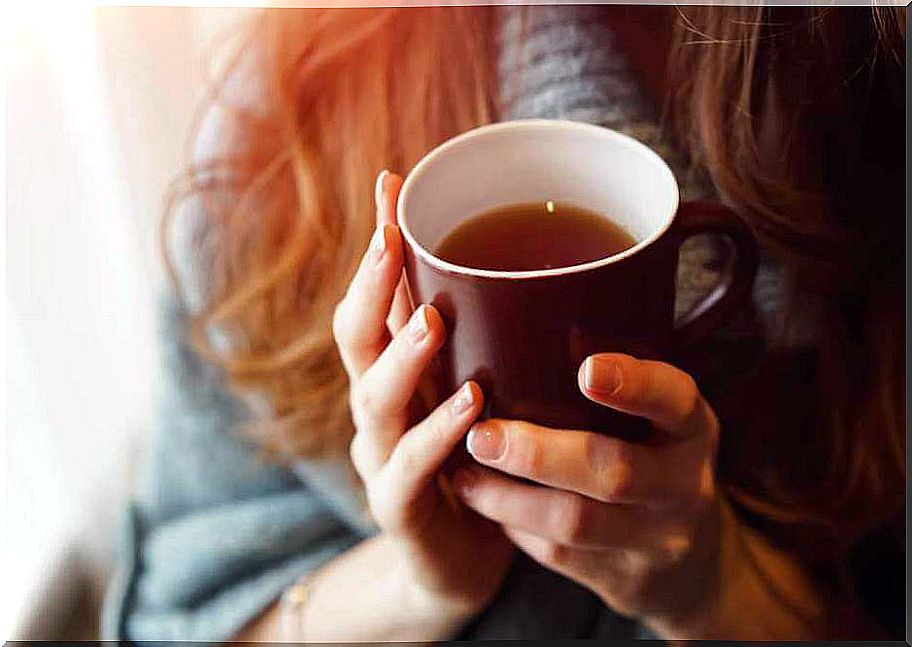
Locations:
(641, 525)
(622, 519)
(456, 557)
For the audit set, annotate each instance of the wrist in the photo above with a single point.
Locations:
(720, 574)
(444, 610)
(432, 604)
(757, 592)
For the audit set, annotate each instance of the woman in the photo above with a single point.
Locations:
(294, 492)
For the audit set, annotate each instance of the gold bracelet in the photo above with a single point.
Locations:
(293, 605)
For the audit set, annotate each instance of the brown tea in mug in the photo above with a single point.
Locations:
(532, 236)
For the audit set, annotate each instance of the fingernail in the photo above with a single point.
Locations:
(464, 400)
(602, 375)
(486, 442)
(418, 327)
(464, 479)
(378, 188)
(378, 245)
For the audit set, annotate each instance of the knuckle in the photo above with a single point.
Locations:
(575, 520)
(553, 553)
(365, 455)
(599, 453)
(340, 324)
(676, 544)
(526, 456)
(621, 483)
(436, 426)
(404, 459)
(363, 400)
(616, 474)
(356, 454)
(689, 400)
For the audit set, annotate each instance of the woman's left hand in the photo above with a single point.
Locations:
(637, 524)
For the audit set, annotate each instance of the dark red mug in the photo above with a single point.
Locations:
(524, 335)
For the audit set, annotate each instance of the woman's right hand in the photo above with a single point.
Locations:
(453, 555)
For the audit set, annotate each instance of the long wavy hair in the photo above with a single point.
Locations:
(795, 114)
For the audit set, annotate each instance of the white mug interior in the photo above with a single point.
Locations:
(537, 160)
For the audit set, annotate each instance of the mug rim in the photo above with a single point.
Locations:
(521, 124)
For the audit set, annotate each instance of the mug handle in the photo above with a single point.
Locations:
(710, 313)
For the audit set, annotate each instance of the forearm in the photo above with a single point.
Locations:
(365, 594)
(765, 594)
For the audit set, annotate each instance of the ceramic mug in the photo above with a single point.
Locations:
(523, 335)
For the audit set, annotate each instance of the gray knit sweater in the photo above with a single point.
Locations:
(214, 535)
(561, 62)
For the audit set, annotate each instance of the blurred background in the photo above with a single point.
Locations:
(98, 105)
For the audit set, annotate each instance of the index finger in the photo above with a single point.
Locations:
(386, 192)
(359, 322)
(597, 466)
